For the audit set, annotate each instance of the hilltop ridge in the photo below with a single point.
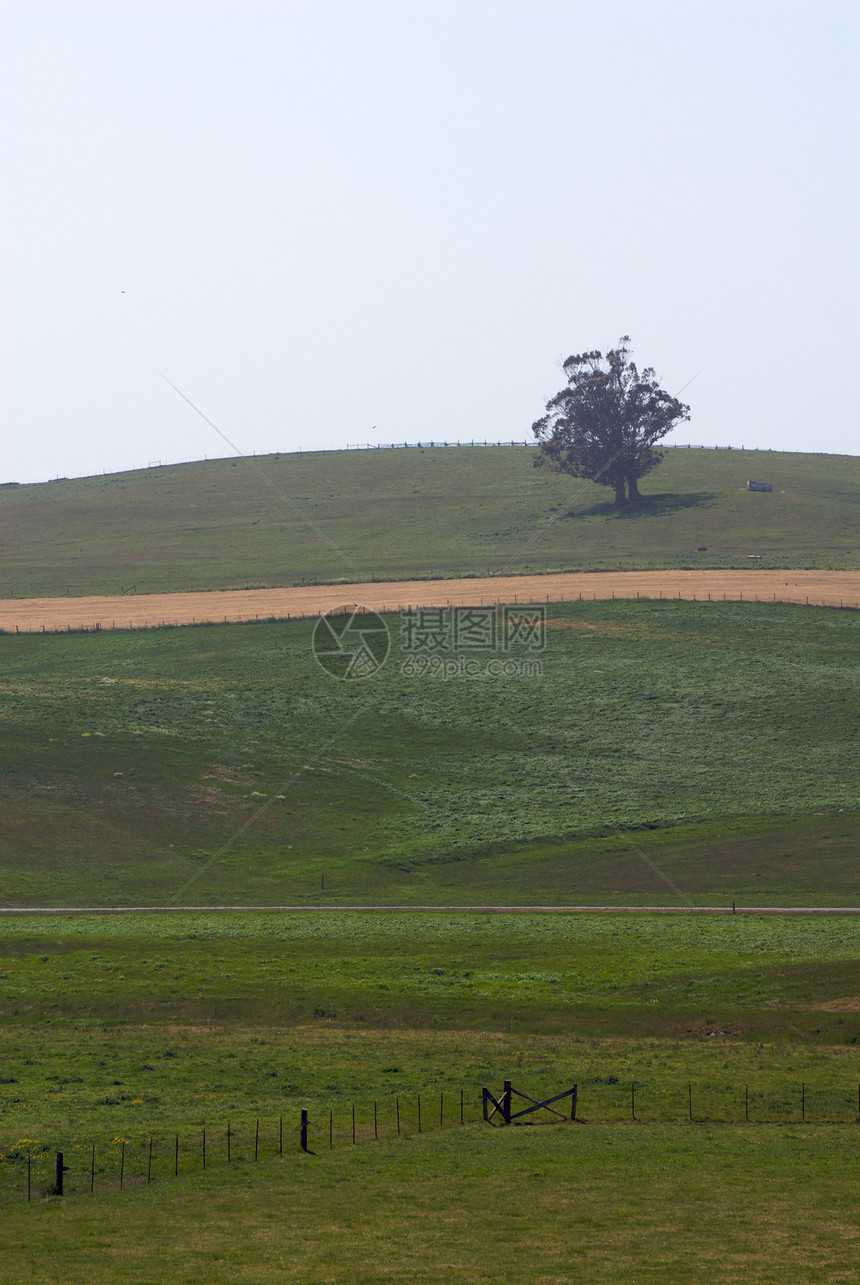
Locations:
(417, 513)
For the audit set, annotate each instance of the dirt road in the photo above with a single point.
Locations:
(818, 588)
(23, 911)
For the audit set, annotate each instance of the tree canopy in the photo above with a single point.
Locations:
(604, 425)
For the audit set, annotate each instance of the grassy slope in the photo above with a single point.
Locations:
(114, 1028)
(121, 1028)
(413, 513)
(644, 976)
(716, 739)
(603, 1204)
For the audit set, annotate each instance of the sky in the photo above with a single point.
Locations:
(306, 226)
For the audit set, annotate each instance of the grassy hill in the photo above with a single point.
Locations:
(126, 1038)
(667, 751)
(416, 513)
(716, 741)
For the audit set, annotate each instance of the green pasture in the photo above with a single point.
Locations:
(667, 751)
(597, 974)
(658, 1203)
(660, 752)
(117, 1030)
(136, 1024)
(417, 513)
(153, 1023)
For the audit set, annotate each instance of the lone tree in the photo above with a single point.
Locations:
(603, 426)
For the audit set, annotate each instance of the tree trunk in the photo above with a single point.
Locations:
(620, 497)
(633, 488)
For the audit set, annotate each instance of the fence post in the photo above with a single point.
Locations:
(61, 1169)
(506, 1102)
(176, 1158)
(229, 1136)
(303, 1130)
(633, 1099)
(573, 1098)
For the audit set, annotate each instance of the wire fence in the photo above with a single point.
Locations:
(433, 444)
(34, 1169)
(487, 599)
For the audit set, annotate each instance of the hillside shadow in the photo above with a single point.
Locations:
(650, 506)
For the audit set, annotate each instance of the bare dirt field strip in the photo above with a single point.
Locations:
(818, 588)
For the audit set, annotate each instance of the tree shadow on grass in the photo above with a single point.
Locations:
(650, 506)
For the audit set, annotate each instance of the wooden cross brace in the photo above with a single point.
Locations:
(502, 1105)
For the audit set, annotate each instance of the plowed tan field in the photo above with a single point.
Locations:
(818, 588)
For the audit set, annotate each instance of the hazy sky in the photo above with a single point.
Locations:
(339, 223)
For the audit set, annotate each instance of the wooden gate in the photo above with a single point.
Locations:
(503, 1105)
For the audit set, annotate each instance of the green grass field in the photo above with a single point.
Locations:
(602, 1204)
(715, 741)
(654, 976)
(392, 514)
(137, 1027)
(711, 743)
